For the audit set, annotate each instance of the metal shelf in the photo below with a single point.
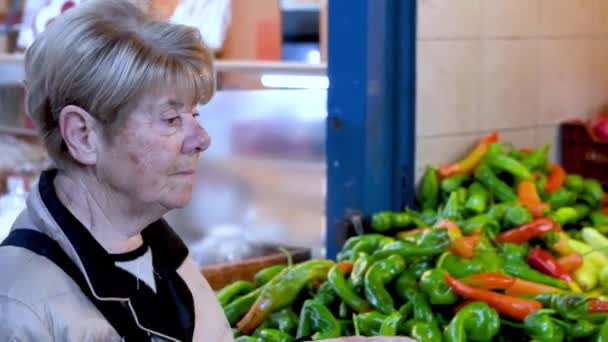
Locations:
(12, 71)
(18, 131)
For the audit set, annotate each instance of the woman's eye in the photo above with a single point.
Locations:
(174, 120)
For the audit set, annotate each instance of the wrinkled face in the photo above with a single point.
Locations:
(153, 159)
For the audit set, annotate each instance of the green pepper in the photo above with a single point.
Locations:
(429, 217)
(342, 310)
(560, 198)
(285, 320)
(436, 288)
(582, 210)
(497, 211)
(369, 323)
(273, 335)
(361, 265)
(425, 331)
(416, 218)
(423, 326)
(474, 322)
(428, 195)
(517, 154)
(379, 274)
(495, 149)
(482, 221)
(602, 335)
(337, 280)
(417, 267)
(537, 159)
(361, 243)
(386, 220)
(598, 219)
(500, 189)
(234, 290)
(390, 324)
(239, 307)
(460, 267)
(452, 207)
(565, 215)
(283, 290)
(516, 215)
(326, 294)
(452, 183)
(541, 184)
(246, 339)
(263, 276)
(510, 165)
(593, 188)
(514, 253)
(542, 328)
(579, 329)
(316, 317)
(525, 272)
(597, 318)
(433, 242)
(571, 306)
(574, 183)
(478, 198)
(515, 265)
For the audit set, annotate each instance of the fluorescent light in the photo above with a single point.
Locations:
(295, 81)
(313, 57)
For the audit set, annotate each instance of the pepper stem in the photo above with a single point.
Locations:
(287, 255)
(355, 323)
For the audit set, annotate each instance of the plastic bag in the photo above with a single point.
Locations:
(211, 17)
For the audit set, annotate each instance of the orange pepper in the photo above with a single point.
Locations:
(556, 178)
(468, 164)
(464, 246)
(452, 227)
(528, 196)
(513, 307)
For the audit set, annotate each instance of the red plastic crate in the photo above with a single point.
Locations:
(582, 153)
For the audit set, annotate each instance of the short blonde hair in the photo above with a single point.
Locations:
(105, 56)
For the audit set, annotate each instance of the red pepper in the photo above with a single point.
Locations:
(469, 163)
(526, 150)
(546, 263)
(513, 286)
(489, 281)
(527, 231)
(528, 196)
(513, 307)
(571, 261)
(598, 306)
(556, 178)
(464, 246)
(605, 210)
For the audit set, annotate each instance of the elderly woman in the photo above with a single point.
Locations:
(114, 93)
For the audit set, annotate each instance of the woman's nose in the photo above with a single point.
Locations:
(197, 139)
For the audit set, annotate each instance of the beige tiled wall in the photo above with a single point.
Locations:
(518, 66)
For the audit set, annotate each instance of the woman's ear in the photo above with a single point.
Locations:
(78, 131)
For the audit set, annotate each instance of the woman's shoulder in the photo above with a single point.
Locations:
(31, 278)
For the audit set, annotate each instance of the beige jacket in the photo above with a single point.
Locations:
(39, 302)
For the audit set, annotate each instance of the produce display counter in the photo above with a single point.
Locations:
(502, 245)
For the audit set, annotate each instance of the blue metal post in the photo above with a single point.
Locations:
(370, 127)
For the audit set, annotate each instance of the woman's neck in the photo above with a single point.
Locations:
(113, 220)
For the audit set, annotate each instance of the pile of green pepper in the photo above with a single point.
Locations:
(493, 253)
